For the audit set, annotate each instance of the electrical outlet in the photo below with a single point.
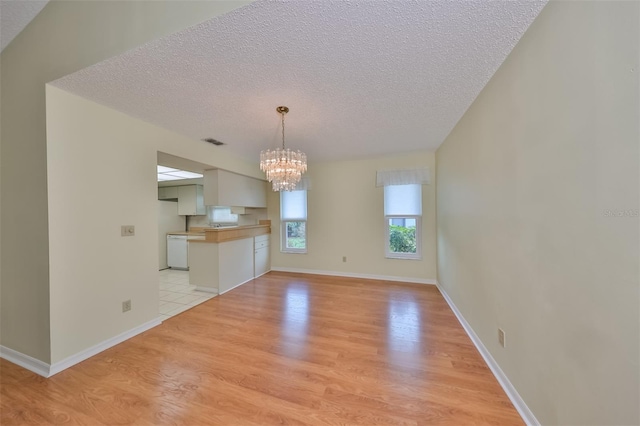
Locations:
(127, 231)
(501, 337)
(126, 305)
(344, 258)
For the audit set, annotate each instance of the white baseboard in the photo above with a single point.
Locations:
(357, 275)
(207, 289)
(96, 349)
(509, 389)
(47, 370)
(25, 361)
(216, 291)
(237, 285)
(262, 274)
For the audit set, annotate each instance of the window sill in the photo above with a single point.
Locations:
(388, 256)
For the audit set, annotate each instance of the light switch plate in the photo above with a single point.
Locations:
(501, 337)
(127, 230)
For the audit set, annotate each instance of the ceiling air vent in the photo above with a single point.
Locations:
(213, 141)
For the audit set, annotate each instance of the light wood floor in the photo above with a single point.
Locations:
(282, 349)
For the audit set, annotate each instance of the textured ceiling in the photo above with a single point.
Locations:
(362, 78)
(15, 15)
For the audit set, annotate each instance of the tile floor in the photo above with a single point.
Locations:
(177, 295)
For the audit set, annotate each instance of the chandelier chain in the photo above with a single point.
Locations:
(282, 114)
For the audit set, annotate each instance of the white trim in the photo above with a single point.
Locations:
(210, 290)
(283, 238)
(207, 289)
(262, 274)
(356, 275)
(25, 361)
(510, 390)
(47, 370)
(96, 349)
(237, 285)
(387, 237)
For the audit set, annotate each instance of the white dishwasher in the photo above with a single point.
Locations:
(177, 252)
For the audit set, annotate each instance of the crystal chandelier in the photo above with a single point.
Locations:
(283, 167)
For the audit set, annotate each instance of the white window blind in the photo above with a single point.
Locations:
(293, 205)
(403, 200)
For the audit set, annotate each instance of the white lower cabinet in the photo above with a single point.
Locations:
(261, 264)
(220, 267)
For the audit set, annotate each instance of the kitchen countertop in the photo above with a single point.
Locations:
(190, 233)
(226, 233)
(231, 228)
(220, 235)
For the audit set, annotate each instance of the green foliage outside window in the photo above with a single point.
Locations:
(296, 235)
(402, 239)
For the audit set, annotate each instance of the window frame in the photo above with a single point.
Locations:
(283, 238)
(283, 228)
(387, 246)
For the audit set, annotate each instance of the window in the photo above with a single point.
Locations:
(293, 221)
(403, 217)
(221, 216)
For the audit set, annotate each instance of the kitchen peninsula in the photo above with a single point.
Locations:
(229, 257)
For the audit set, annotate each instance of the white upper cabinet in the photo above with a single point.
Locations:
(167, 192)
(222, 188)
(191, 200)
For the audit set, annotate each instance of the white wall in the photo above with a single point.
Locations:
(200, 221)
(252, 216)
(346, 218)
(235, 263)
(65, 37)
(92, 268)
(525, 241)
(168, 221)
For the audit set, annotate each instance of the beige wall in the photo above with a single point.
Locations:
(1, 316)
(525, 241)
(524, 181)
(346, 218)
(103, 162)
(65, 37)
